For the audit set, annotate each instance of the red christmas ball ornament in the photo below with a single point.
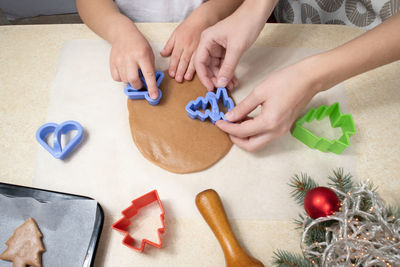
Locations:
(321, 202)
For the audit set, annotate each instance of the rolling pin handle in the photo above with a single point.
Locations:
(210, 206)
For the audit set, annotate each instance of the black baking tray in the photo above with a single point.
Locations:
(46, 196)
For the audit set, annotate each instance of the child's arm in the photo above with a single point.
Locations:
(184, 40)
(130, 50)
(284, 93)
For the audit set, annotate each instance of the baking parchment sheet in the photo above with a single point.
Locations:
(109, 168)
(66, 226)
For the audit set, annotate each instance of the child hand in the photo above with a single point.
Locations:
(282, 95)
(129, 53)
(181, 47)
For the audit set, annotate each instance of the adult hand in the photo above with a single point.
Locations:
(129, 53)
(222, 45)
(282, 95)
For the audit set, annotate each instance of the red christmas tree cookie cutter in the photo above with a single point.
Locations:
(122, 224)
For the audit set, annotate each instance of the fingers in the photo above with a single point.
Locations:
(181, 62)
(214, 70)
(228, 66)
(191, 70)
(169, 46)
(230, 85)
(148, 74)
(243, 108)
(175, 52)
(115, 73)
(243, 129)
(174, 61)
(235, 81)
(183, 65)
(132, 75)
(201, 62)
(128, 75)
(253, 143)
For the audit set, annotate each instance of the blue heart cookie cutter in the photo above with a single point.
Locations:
(59, 129)
(133, 93)
(214, 114)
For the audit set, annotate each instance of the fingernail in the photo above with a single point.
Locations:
(222, 81)
(153, 96)
(179, 78)
(229, 115)
(172, 73)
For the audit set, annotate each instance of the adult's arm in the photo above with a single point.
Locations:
(375, 48)
(284, 93)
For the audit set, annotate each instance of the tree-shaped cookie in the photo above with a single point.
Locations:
(25, 246)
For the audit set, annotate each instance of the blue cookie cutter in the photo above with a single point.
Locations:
(59, 129)
(133, 93)
(214, 114)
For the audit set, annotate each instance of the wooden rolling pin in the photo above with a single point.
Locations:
(210, 206)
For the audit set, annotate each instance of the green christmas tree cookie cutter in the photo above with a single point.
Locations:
(337, 119)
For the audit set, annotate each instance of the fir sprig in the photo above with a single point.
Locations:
(301, 184)
(393, 211)
(317, 233)
(300, 221)
(370, 186)
(288, 259)
(340, 181)
(366, 204)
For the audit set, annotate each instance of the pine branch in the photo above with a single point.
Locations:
(299, 222)
(301, 186)
(370, 185)
(366, 203)
(340, 181)
(393, 211)
(288, 259)
(316, 234)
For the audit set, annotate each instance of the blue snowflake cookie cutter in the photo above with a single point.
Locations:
(58, 130)
(133, 93)
(211, 99)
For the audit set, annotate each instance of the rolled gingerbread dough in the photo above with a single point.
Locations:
(168, 137)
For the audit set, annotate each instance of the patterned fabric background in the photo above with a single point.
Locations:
(364, 14)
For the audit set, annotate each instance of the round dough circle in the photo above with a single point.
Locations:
(168, 137)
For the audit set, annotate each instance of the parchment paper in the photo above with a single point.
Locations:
(66, 227)
(109, 167)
